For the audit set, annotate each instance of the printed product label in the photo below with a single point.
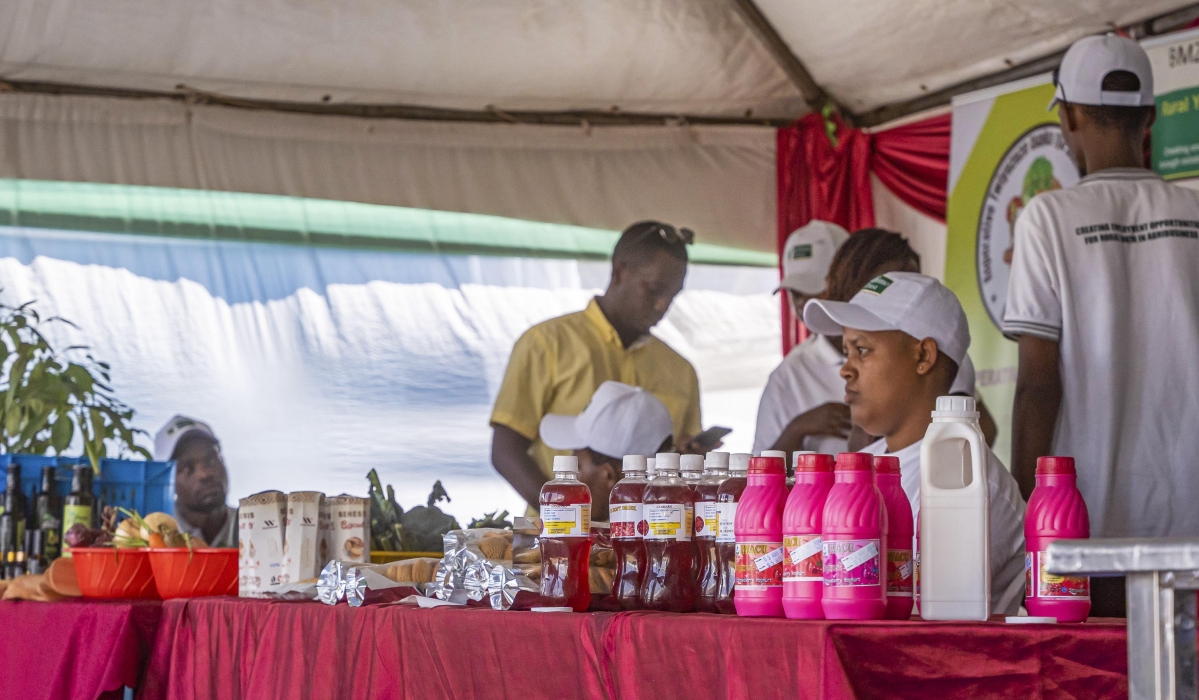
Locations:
(1029, 591)
(707, 521)
(916, 573)
(668, 521)
(628, 521)
(726, 515)
(566, 521)
(1061, 587)
(852, 562)
(72, 515)
(900, 572)
(805, 558)
(759, 564)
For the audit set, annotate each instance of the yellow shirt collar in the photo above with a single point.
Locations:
(595, 314)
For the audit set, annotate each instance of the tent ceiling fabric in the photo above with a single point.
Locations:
(870, 53)
(659, 56)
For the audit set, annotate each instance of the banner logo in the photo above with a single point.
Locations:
(1036, 162)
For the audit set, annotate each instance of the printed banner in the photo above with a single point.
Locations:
(1175, 142)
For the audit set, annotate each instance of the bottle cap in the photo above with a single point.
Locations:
(650, 466)
(775, 453)
(634, 463)
(691, 463)
(717, 460)
(1055, 465)
(855, 461)
(767, 465)
(567, 463)
(739, 462)
(955, 407)
(813, 462)
(667, 461)
(886, 465)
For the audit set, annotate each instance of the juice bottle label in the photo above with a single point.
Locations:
(1029, 589)
(669, 521)
(707, 521)
(852, 562)
(804, 559)
(72, 515)
(566, 521)
(1052, 586)
(900, 573)
(726, 515)
(759, 564)
(628, 521)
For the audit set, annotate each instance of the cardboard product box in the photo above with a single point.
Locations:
(260, 537)
(301, 537)
(351, 536)
(324, 545)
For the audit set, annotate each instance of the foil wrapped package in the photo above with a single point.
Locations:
(331, 583)
(466, 567)
(373, 584)
(511, 588)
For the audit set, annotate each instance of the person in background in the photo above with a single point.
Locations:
(1103, 299)
(802, 406)
(201, 480)
(619, 420)
(906, 336)
(556, 366)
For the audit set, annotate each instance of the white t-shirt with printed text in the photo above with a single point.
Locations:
(1007, 521)
(1110, 270)
(809, 377)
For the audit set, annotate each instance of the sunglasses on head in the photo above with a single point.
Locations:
(670, 234)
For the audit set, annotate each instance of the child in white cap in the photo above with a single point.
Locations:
(619, 420)
(906, 335)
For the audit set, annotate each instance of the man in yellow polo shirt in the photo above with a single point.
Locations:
(557, 365)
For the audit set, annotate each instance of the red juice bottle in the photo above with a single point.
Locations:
(691, 469)
(803, 570)
(759, 528)
(1056, 511)
(566, 538)
(669, 581)
(716, 470)
(628, 531)
(900, 535)
(855, 542)
(727, 497)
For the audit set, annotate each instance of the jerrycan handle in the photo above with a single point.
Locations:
(956, 418)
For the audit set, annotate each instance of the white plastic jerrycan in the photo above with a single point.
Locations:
(955, 537)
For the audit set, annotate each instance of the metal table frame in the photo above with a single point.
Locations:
(1162, 577)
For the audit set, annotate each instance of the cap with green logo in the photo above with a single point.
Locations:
(807, 255)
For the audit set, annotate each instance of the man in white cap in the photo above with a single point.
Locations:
(805, 389)
(1103, 299)
(201, 480)
(906, 335)
(619, 420)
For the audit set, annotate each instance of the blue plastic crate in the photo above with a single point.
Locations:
(146, 487)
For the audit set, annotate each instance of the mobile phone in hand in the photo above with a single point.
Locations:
(712, 436)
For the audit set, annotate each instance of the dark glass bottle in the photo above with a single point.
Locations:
(12, 520)
(80, 505)
(35, 552)
(47, 514)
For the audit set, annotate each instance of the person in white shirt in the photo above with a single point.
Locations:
(802, 406)
(906, 335)
(1103, 299)
(619, 420)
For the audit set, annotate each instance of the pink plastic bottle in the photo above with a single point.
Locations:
(759, 531)
(1056, 511)
(855, 543)
(900, 526)
(803, 548)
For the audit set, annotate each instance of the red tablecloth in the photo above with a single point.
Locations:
(246, 649)
(76, 650)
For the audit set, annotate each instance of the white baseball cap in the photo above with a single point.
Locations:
(169, 435)
(808, 254)
(1079, 78)
(620, 420)
(910, 302)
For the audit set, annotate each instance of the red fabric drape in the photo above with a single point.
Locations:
(820, 180)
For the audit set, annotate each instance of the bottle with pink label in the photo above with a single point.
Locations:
(855, 542)
(707, 525)
(627, 515)
(1056, 511)
(803, 548)
(900, 536)
(759, 531)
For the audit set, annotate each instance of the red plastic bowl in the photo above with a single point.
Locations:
(110, 572)
(203, 571)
